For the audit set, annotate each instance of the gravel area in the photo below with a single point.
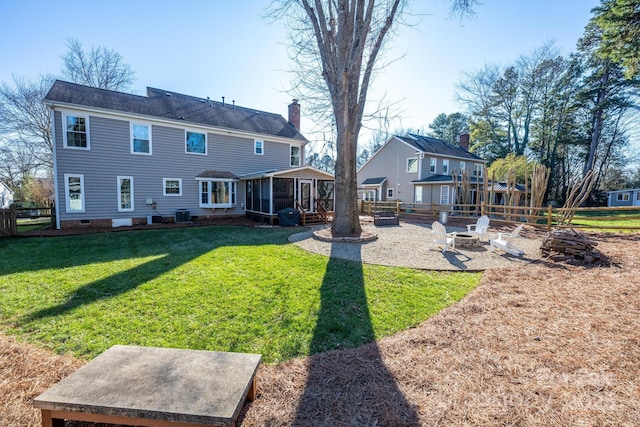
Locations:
(407, 245)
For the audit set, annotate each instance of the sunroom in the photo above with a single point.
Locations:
(306, 189)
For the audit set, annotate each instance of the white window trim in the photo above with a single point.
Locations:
(217, 205)
(477, 167)
(415, 164)
(131, 124)
(120, 208)
(433, 165)
(462, 166)
(445, 165)
(164, 187)
(66, 192)
(64, 130)
(444, 195)
(299, 155)
(255, 147)
(390, 193)
(206, 142)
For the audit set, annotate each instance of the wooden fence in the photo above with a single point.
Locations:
(8, 223)
(546, 217)
(9, 218)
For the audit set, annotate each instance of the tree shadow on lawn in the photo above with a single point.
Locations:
(352, 386)
(172, 252)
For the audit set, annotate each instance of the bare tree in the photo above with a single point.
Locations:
(100, 67)
(25, 121)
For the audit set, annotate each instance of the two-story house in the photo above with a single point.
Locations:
(122, 159)
(418, 169)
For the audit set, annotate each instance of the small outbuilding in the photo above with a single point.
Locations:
(623, 198)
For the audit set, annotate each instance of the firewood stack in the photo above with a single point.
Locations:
(566, 245)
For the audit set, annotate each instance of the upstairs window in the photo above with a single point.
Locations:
(412, 165)
(258, 147)
(432, 165)
(76, 131)
(295, 155)
(445, 166)
(196, 143)
(140, 138)
(477, 169)
(462, 166)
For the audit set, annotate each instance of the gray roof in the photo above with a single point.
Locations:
(374, 181)
(175, 106)
(437, 146)
(217, 174)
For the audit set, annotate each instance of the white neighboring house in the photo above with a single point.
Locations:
(6, 196)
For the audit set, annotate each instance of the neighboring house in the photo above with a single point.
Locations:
(623, 198)
(122, 159)
(418, 169)
(6, 196)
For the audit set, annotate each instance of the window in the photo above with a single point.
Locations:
(432, 165)
(444, 194)
(462, 165)
(258, 147)
(445, 166)
(477, 169)
(196, 143)
(125, 193)
(140, 138)
(418, 190)
(623, 197)
(76, 133)
(74, 192)
(172, 186)
(217, 193)
(412, 164)
(389, 193)
(295, 155)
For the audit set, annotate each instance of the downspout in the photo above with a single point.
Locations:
(270, 195)
(55, 167)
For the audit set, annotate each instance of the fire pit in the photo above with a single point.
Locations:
(467, 241)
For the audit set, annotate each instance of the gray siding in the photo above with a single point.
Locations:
(391, 162)
(110, 157)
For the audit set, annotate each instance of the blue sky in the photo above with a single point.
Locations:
(226, 48)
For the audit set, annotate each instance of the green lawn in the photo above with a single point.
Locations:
(217, 288)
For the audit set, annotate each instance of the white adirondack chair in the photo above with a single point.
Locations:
(504, 241)
(442, 238)
(480, 227)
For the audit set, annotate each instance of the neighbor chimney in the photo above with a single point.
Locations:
(464, 141)
(294, 114)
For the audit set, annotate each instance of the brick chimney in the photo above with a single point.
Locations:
(294, 114)
(464, 141)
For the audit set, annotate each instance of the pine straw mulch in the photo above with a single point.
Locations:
(547, 344)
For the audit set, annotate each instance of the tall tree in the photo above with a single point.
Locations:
(100, 67)
(449, 127)
(345, 38)
(619, 21)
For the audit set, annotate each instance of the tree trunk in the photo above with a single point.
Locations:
(346, 218)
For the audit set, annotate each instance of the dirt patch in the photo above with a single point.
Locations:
(542, 344)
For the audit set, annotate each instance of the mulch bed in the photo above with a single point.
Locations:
(546, 344)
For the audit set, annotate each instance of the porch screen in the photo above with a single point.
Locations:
(325, 194)
(283, 196)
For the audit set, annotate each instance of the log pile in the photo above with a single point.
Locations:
(566, 245)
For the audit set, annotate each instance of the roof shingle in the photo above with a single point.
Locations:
(175, 106)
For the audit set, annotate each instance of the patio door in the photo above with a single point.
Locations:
(305, 195)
